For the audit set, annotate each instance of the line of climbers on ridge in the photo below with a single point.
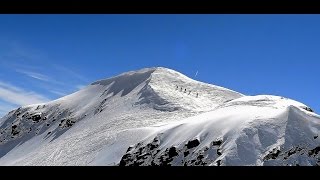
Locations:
(185, 90)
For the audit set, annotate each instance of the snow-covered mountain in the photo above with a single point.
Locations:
(157, 116)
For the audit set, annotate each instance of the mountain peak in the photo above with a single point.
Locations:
(167, 85)
(159, 111)
(139, 74)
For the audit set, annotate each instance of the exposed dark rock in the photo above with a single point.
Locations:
(146, 155)
(140, 150)
(124, 160)
(219, 163)
(157, 151)
(152, 146)
(193, 143)
(219, 152)
(139, 144)
(139, 157)
(186, 153)
(172, 152)
(216, 143)
(60, 124)
(200, 161)
(66, 123)
(272, 155)
(292, 151)
(129, 148)
(200, 156)
(164, 161)
(69, 123)
(314, 151)
(36, 118)
(14, 130)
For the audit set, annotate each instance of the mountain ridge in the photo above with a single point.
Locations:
(97, 124)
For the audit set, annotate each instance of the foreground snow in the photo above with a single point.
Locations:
(258, 130)
(157, 116)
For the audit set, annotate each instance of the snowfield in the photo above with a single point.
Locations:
(157, 116)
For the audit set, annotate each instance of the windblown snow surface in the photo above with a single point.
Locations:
(157, 116)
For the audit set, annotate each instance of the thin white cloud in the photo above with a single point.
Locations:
(25, 66)
(23, 53)
(57, 92)
(34, 75)
(31, 62)
(18, 96)
(40, 76)
(70, 72)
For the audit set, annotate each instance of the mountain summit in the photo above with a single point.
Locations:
(158, 116)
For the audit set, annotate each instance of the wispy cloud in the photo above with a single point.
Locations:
(70, 72)
(42, 72)
(18, 96)
(57, 92)
(34, 75)
(23, 53)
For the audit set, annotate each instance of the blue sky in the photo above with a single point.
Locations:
(43, 57)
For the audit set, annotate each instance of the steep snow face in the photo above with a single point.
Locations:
(72, 130)
(166, 89)
(252, 130)
(187, 93)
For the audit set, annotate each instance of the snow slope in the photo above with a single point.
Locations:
(154, 116)
(252, 130)
(74, 129)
